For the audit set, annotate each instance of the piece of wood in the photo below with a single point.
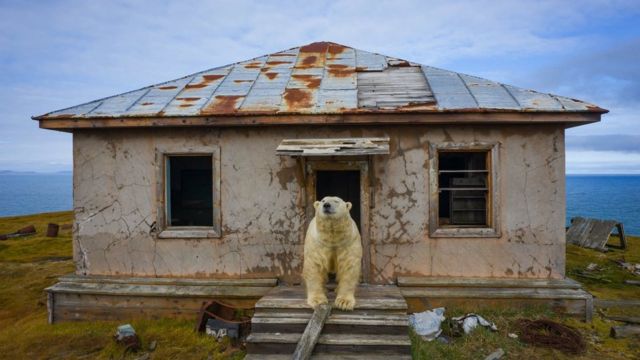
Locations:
(419, 281)
(625, 331)
(627, 319)
(604, 303)
(52, 230)
(632, 282)
(106, 279)
(498, 354)
(312, 332)
(594, 233)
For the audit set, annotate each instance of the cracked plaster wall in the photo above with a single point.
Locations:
(262, 205)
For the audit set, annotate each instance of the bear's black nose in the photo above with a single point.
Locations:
(326, 205)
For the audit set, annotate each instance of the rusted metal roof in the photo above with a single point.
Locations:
(333, 147)
(321, 78)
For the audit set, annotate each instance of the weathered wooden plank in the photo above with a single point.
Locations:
(494, 293)
(269, 282)
(427, 281)
(620, 332)
(627, 319)
(604, 303)
(592, 233)
(312, 333)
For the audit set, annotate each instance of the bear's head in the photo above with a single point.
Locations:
(332, 206)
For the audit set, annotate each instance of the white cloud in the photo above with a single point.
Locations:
(602, 162)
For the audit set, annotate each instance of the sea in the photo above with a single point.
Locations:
(597, 196)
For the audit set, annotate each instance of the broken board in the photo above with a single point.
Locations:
(594, 233)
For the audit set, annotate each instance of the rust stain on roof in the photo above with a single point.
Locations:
(242, 81)
(188, 98)
(185, 105)
(223, 104)
(340, 70)
(297, 99)
(253, 65)
(271, 75)
(168, 87)
(311, 81)
(278, 62)
(146, 103)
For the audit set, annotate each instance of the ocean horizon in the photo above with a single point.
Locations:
(602, 196)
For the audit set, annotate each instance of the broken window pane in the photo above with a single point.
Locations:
(463, 188)
(190, 190)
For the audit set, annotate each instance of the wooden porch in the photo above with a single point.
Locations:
(378, 328)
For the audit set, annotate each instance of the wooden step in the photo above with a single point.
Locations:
(339, 323)
(285, 343)
(368, 297)
(332, 356)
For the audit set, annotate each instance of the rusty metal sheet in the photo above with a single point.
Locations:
(490, 94)
(157, 98)
(321, 78)
(117, 105)
(448, 89)
(531, 100)
(368, 61)
(194, 95)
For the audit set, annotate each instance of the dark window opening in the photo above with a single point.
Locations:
(343, 184)
(463, 188)
(190, 191)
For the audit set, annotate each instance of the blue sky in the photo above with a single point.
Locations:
(55, 54)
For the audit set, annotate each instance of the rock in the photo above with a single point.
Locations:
(495, 355)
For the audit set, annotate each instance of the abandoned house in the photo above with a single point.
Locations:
(202, 187)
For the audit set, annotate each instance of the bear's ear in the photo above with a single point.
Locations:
(348, 205)
(316, 204)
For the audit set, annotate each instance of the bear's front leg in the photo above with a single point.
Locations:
(315, 278)
(348, 276)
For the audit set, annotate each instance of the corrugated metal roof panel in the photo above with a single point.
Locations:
(448, 89)
(321, 78)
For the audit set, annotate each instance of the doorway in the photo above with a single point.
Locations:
(344, 184)
(348, 180)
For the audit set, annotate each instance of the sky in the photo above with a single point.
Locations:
(56, 54)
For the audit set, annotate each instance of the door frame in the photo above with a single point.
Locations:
(314, 165)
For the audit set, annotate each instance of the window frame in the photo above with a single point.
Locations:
(164, 230)
(492, 229)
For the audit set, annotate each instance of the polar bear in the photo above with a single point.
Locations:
(332, 245)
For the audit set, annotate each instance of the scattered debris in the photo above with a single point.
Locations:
(25, 231)
(624, 331)
(547, 333)
(592, 267)
(513, 335)
(495, 355)
(223, 320)
(632, 268)
(427, 323)
(594, 233)
(127, 336)
(589, 275)
(632, 282)
(153, 345)
(443, 339)
(465, 324)
(52, 230)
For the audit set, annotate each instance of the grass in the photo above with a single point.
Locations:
(29, 264)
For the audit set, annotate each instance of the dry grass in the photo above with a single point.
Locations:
(28, 265)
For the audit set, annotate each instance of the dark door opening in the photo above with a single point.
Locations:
(343, 184)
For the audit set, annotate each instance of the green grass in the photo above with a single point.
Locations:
(29, 264)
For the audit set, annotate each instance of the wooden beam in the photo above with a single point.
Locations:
(312, 333)
(478, 118)
(620, 332)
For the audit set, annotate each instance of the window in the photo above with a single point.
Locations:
(463, 188)
(188, 184)
(189, 191)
